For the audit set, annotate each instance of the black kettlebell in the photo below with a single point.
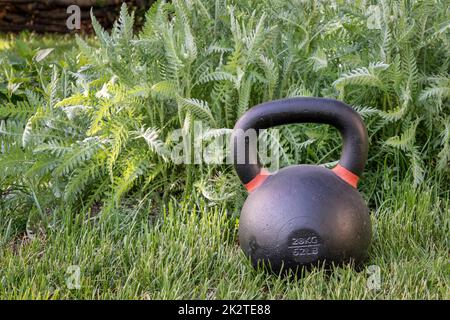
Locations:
(303, 215)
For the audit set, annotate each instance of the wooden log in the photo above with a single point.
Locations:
(66, 3)
(16, 15)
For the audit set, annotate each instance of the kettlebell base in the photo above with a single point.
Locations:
(303, 217)
(299, 270)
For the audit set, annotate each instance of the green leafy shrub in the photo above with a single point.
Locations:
(104, 130)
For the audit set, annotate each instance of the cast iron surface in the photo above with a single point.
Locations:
(301, 110)
(304, 215)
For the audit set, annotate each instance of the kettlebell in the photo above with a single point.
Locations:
(303, 215)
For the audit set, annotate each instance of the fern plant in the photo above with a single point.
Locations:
(100, 131)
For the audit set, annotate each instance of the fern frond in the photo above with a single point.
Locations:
(41, 167)
(84, 48)
(271, 74)
(190, 47)
(76, 99)
(123, 27)
(51, 90)
(14, 164)
(166, 89)
(27, 132)
(366, 111)
(119, 140)
(379, 65)
(10, 135)
(80, 179)
(319, 60)
(102, 35)
(174, 62)
(438, 91)
(34, 98)
(244, 97)
(196, 107)
(410, 67)
(98, 117)
(54, 147)
(16, 111)
(216, 76)
(135, 168)
(151, 136)
(81, 152)
(216, 48)
(393, 115)
(406, 140)
(254, 40)
(360, 76)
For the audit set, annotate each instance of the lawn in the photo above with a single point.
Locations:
(91, 207)
(189, 250)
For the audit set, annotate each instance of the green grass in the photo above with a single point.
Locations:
(189, 250)
(167, 238)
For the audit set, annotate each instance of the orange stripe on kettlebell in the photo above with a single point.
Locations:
(346, 175)
(257, 181)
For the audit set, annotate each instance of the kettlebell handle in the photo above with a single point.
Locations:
(302, 110)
